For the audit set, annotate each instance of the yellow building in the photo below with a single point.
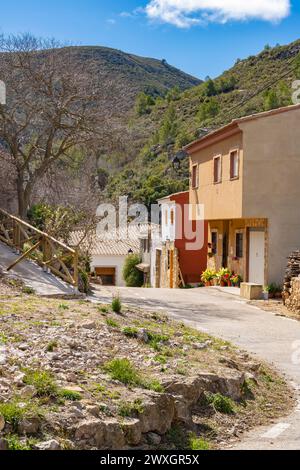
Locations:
(247, 176)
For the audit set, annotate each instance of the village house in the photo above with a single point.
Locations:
(247, 176)
(173, 262)
(108, 253)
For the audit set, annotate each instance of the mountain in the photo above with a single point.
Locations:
(252, 85)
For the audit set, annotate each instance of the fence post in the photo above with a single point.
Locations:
(76, 270)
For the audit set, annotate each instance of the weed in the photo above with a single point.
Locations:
(12, 413)
(124, 371)
(112, 323)
(198, 443)
(14, 443)
(63, 307)
(178, 437)
(130, 332)
(156, 339)
(161, 359)
(103, 309)
(221, 403)
(42, 381)
(28, 290)
(116, 305)
(70, 395)
(51, 346)
(127, 409)
(3, 338)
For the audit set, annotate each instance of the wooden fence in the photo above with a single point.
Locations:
(45, 250)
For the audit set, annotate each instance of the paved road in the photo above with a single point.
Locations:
(264, 334)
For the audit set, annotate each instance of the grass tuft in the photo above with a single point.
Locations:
(221, 403)
(43, 382)
(116, 305)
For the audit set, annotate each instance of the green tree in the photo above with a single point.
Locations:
(208, 110)
(210, 88)
(132, 276)
(271, 100)
(168, 128)
(144, 103)
(173, 94)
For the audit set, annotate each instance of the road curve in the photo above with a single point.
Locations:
(272, 338)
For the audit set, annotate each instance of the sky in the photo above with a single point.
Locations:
(201, 37)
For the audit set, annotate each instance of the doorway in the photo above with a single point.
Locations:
(257, 256)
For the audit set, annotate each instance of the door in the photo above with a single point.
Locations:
(257, 257)
(106, 276)
(158, 269)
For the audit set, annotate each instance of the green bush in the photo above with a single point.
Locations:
(221, 403)
(43, 382)
(124, 371)
(70, 395)
(132, 276)
(116, 305)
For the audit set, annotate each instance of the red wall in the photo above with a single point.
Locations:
(192, 262)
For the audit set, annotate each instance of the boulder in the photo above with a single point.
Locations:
(48, 445)
(29, 426)
(132, 431)
(2, 423)
(3, 444)
(158, 414)
(114, 435)
(91, 431)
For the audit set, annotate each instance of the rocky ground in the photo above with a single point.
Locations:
(76, 375)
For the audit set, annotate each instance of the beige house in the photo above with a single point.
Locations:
(247, 175)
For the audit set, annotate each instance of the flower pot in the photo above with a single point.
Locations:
(229, 283)
(265, 295)
(208, 284)
(222, 284)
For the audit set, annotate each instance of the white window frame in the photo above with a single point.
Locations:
(237, 151)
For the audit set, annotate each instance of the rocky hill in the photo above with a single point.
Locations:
(252, 85)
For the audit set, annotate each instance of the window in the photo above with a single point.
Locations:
(167, 216)
(234, 165)
(239, 245)
(172, 217)
(217, 169)
(195, 176)
(214, 243)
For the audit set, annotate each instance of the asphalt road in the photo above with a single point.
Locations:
(272, 338)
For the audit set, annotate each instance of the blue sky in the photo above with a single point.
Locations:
(197, 38)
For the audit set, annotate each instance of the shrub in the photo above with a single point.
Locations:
(124, 371)
(12, 413)
(112, 323)
(155, 339)
(70, 395)
(132, 276)
(51, 346)
(130, 332)
(42, 381)
(221, 403)
(116, 304)
(198, 443)
(128, 409)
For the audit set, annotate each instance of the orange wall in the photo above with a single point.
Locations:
(192, 262)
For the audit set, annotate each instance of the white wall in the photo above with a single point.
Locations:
(168, 231)
(102, 261)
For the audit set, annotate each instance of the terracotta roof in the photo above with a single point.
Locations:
(108, 244)
(233, 126)
(172, 195)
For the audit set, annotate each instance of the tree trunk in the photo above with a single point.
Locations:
(23, 198)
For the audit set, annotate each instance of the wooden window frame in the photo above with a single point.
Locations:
(172, 217)
(215, 159)
(232, 152)
(214, 253)
(239, 232)
(195, 184)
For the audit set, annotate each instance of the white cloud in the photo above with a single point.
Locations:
(185, 13)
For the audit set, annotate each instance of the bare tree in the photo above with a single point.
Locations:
(49, 111)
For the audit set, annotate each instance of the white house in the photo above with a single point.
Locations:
(108, 253)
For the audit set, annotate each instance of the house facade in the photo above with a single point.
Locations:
(178, 260)
(108, 252)
(247, 175)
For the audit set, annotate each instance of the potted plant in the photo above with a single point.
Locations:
(236, 280)
(265, 293)
(224, 275)
(207, 277)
